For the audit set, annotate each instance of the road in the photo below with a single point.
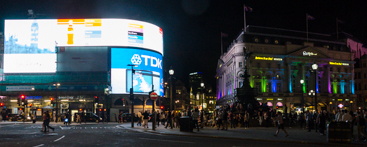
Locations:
(112, 135)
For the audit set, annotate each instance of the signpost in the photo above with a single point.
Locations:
(153, 96)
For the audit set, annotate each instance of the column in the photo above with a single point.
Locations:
(352, 79)
(328, 78)
(303, 88)
(290, 78)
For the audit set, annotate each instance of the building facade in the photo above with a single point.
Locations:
(361, 81)
(82, 64)
(279, 61)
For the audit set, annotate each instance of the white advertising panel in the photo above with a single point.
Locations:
(29, 37)
(19, 88)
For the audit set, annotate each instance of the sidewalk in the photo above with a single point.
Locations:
(296, 135)
(53, 123)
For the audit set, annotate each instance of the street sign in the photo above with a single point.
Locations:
(153, 96)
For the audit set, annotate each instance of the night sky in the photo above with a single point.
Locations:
(192, 27)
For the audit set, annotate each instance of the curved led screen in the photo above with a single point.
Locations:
(30, 43)
(148, 71)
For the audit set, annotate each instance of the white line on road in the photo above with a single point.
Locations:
(39, 145)
(167, 140)
(59, 138)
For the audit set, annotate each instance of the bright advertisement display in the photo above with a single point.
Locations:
(34, 40)
(147, 73)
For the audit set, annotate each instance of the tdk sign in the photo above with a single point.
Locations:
(147, 60)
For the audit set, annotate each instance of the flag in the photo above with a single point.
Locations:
(223, 34)
(339, 21)
(248, 8)
(309, 17)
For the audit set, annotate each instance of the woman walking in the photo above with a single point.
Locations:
(279, 119)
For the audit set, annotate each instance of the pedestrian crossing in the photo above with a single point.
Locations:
(86, 128)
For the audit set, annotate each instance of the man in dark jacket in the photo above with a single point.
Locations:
(169, 120)
(145, 119)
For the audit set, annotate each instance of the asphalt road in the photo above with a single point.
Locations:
(112, 135)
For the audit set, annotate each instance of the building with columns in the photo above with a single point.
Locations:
(280, 60)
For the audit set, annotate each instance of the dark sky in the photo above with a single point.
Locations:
(192, 27)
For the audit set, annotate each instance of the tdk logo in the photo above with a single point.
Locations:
(154, 62)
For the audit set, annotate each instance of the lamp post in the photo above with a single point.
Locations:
(202, 96)
(302, 98)
(171, 72)
(132, 93)
(56, 99)
(314, 68)
(312, 93)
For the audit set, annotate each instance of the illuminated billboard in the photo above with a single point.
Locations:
(148, 73)
(34, 40)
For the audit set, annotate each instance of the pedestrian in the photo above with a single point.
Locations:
(139, 120)
(309, 120)
(33, 118)
(266, 119)
(44, 117)
(219, 119)
(202, 118)
(246, 118)
(279, 120)
(361, 125)
(347, 117)
(231, 119)
(145, 119)
(105, 117)
(225, 120)
(120, 117)
(78, 119)
(290, 119)
(169, 120)
(178, 115)
(301, 120)
(321, 120)
(158, 118)
(261, 116)
(338, 115)
(314, 117)
(195, 117)
(163, 118)
(59, 118)
(47, 120)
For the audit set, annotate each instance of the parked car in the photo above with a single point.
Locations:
(90, 117)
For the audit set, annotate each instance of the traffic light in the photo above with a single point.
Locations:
(96, 99)
(277, 107)
(30, 105)
(1, 104)
(22, 100)
(80, 109)
(162, 107)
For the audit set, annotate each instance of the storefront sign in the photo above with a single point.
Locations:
(33, 97)
(19, 88)
(268, 58)
(309, 53)
(66, 97)
(338, 63)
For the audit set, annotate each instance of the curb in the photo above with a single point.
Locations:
(251, 139)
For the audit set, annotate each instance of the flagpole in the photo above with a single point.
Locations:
(244, 17)
(307, 26)
(221, 43)
(337, 29)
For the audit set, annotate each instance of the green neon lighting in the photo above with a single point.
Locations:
(263, 84)
(304, 88)
(335, 87)
(252, 83)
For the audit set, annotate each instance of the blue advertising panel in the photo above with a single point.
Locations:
(148, 73)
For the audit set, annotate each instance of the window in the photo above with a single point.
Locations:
(211, 102)
(258, 64)
(278, 66)
(240, 64)
(278, 87)
(269, 65)
(338, 69)
(331, 68)
(359, 86)
(178, 91)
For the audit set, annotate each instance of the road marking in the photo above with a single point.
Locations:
(59, 138)
(39, 145)
(167, 140)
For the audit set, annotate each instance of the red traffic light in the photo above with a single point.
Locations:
(22, 96)
(96, 97)
(162, 107)
(1, 104)
(30, 105)
(100, 109)
(80, 109)
(122, 99)
(51, 99)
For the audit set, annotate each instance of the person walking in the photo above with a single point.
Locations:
(225, 120)
(279, 120)
(232, 118)
(120, 117)
(33, 118)
(163, 118)
(139, 119)
(78, 119)
(321, 120)
(158, 118)
(361, 122)
(47, 122)
(195, 118)
(145, 119)
(314, 117)
(309, 120)
(169, 120)
(246, 119)
(219, 119)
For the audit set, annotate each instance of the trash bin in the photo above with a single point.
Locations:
(185, 124)
(339, 132)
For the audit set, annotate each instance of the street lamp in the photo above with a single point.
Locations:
(314, 68)
(57, 97)
(302, 99)
(312, 93)
(171, 72)
(132, 93)
(202, 95)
